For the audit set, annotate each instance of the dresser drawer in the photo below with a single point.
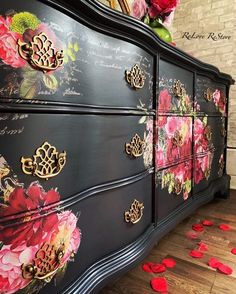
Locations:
(83, 232)
(175, 89)
(94, 64)
(209, 133)
(208, 167)
(173, 188)
(210, 96)
(99, 148)
(174, 140)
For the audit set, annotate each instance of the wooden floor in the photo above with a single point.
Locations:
(190, 275)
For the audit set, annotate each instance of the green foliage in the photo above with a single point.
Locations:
(30, 84)
(50, 82)
(23, 21)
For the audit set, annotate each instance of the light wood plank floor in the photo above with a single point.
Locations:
(190, 275)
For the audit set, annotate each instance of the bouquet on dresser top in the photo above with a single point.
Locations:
(157, 14)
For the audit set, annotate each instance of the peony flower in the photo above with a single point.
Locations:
(67, 234)
(162, 7)
(11, 279)
(160, 158)
(164, 101)
(8, 44)
(29, 231)
(198, 173)
(171, 126)
(138, 8)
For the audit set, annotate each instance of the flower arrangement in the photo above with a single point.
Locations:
(155, 13)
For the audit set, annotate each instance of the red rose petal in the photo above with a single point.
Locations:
(224, 227)
(207, 223)
(158, 268)
(169, 262)
(233, 251)
(147, 267)
(196, 254)
(191, 235)
(202, 246)
(198, 227)
(214, 263)
(159, 285)
(224, 269)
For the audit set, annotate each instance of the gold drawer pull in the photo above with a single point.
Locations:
(136, 147)
(177, 189)
(135, 213)
(46, 162)
(208, 133)
(40, 53)
(45, 264)
(135, 77)
(178, 89)
(208, 94)
(177, 139)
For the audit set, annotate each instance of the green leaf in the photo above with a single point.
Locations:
(76, 47)
(70, 45)
(205, 120)
(30, 85)
(50, 82)
(71, 54)
(142, 120)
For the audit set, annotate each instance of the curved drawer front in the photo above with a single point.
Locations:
(208, 167)
(209, 133)
(174, 140)
(175, 89)
(210, 96)
(173, 187)
(42, 246)
(91, 69)
(88, 150)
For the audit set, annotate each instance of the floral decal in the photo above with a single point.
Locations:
(178, 179)
(23, 80)
(170, 103)
(39, 243)
(174, 139)
(219, 100)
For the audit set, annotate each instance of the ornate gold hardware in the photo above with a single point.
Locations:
(208, 94)
(45, 264)
(136, 147)
(135, 77)
(177, 140)
(178, 89)
(177, 187)
(46, 162)
(223, 132)
(135, 213)
(40, 53)
(208, 133)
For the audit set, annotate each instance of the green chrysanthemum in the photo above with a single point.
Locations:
(23, 21)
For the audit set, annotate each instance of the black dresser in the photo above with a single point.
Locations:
(109, 138)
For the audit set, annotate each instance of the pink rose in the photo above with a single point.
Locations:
(161, 7)
(164, 101)
(8, 44)
(160, 158)
(171, 126)
(11, 279)
(67, 234)
(161, 121)
(216, 97)
(139, 8)
(198, 173)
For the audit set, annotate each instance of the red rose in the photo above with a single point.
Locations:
(30, 228)
(8, 44)
(164, 101)
(161, 7)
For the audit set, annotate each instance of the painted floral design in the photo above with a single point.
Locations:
(178, 179)
(219, 100)
(41, 223)
(202, 167)
(168, 102)
(174, 139)
(23, 80)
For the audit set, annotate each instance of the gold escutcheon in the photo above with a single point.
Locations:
(178, 89)
(136, 147)
(45, 264)
(40, 53)
(135, 77)
(208, 94)
(135, 213)
(46, 163)
(177, 187)
(177, 139)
